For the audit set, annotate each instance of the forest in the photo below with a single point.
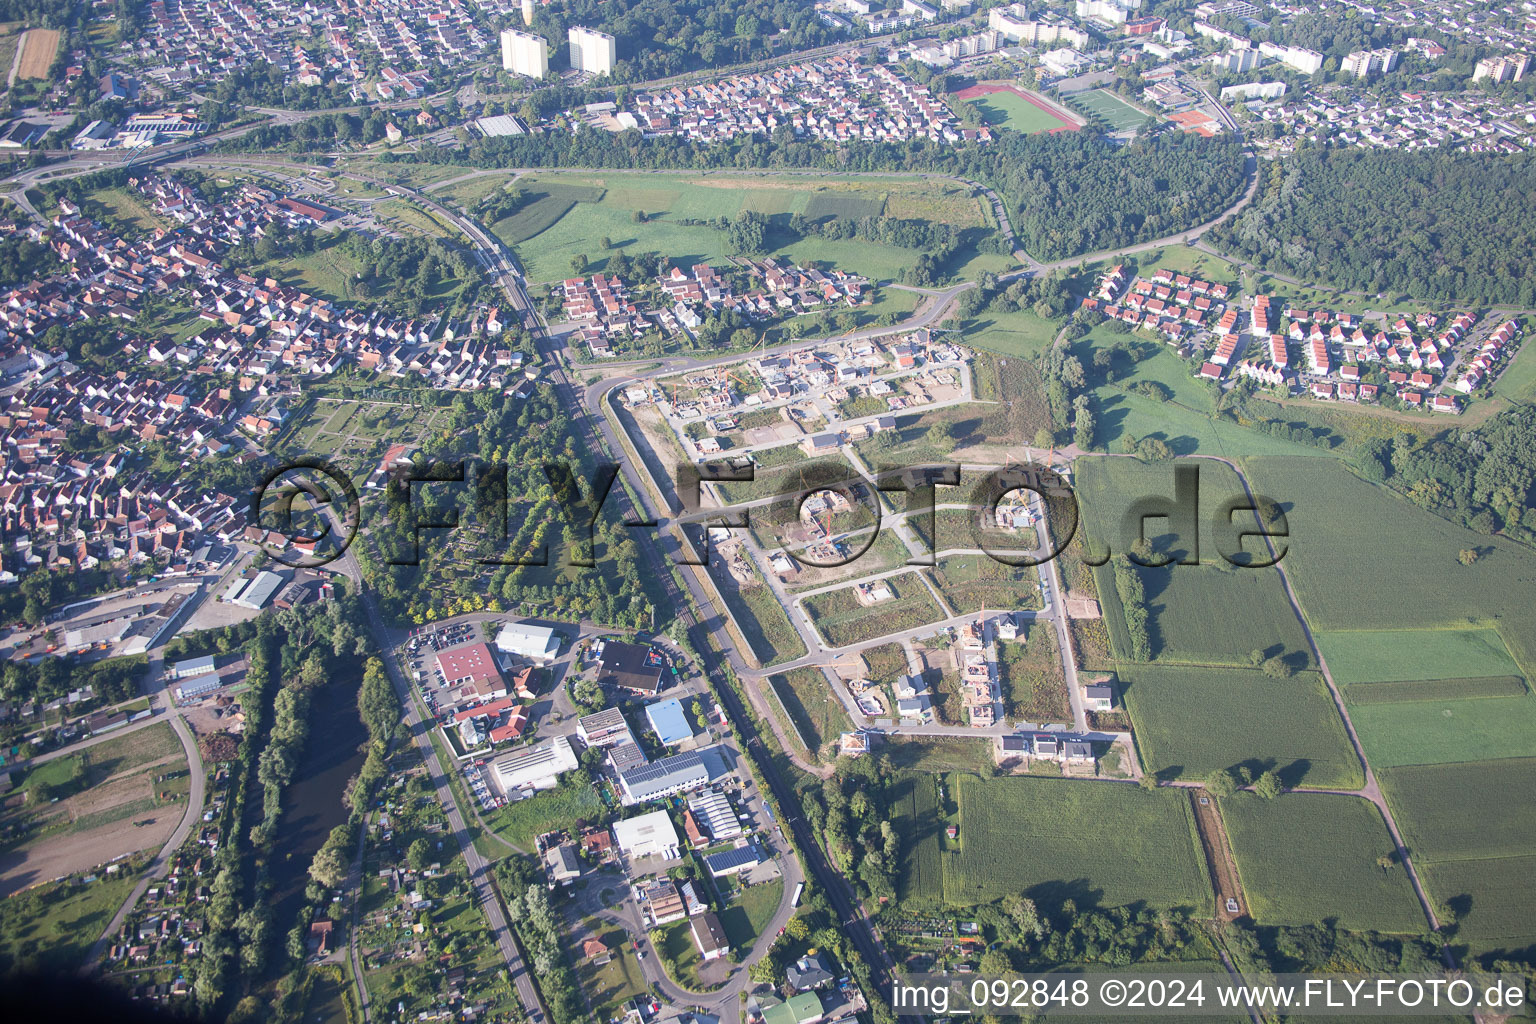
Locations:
(1484, 479)
(1433, 226)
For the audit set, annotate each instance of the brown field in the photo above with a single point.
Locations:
(38, 46)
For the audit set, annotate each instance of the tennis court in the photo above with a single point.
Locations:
(1120, 114)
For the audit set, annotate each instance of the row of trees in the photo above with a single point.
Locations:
(1133, 601)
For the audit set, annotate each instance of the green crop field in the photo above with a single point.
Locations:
(1100, 844)
(919, 821)
(1191, 721)
(1006, 110)
(1120, 114)
(822, 206)
(1435, 732)
(1191, 607)
(1351, 571)
(1305, 858)
(1465, 811)
(1389, 655)
(816, 711)
(1434, 689)
(1494, 900)
(543, 209)
(1470, 829)
(842, 620)
(665, 202)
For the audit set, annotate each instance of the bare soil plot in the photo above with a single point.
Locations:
(38, 47)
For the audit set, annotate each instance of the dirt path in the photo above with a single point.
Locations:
(65, 854)
(1218, 854)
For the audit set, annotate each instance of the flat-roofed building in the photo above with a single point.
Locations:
(630, 667)
(648, 835)
(470, 672)
(605, 728)
(539, 766)
(536, 643)
(670, 775)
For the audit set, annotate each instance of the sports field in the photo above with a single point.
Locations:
(1309, 858)
(1192, 721)
(1120, 115)
(1006, 106)
(1102, 845)
(570, 214)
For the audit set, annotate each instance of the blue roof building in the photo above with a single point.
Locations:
(669, 721)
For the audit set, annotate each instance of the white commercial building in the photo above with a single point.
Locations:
(539, 766)
(591, 51)
(538, 643)
(648, 835)
(524, 54)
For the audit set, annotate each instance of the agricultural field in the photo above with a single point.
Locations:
(1120, 115)
(919, 820)
(1208, 614)
(651, 213)
(1351, 571)
(38, 47)
(1191, 721)
(842, 620)
(1470, 829)
(1449, 730)
(1101, 845)
(1465, 811)
(1399, 690)
(1305, 858)
(816, 711)
(1393, 655)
